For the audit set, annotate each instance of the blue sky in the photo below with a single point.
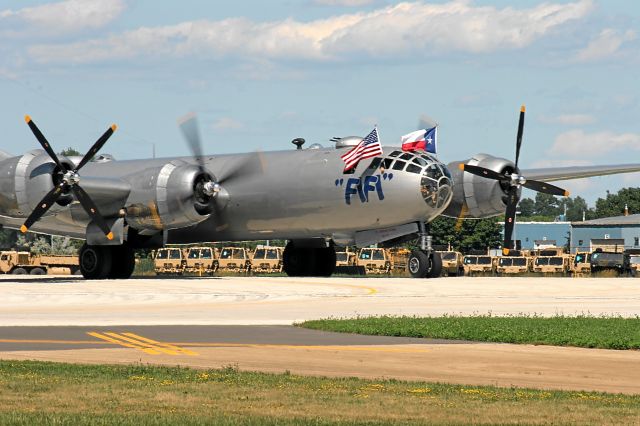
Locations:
(262, 73)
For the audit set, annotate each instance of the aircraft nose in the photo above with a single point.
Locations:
(436, 187)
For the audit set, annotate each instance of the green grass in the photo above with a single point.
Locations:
(580, 331)
(61, 394)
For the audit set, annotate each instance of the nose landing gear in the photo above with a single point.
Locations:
(424, 263)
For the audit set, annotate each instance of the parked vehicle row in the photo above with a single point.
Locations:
(24, 262)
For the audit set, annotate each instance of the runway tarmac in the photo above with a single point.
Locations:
(245, 321)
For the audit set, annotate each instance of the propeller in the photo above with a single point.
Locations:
(69, 182)
(513, 181)
(207, 187)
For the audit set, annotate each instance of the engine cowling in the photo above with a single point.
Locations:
(25, 180)
(168, 197)
(475, 196)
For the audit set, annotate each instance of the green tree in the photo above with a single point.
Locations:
(613, 204)
(71, 152)
(471, 234)
(526, 207)
(547, 205)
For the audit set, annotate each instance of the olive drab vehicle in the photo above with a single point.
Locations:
(201, 260)
(515, 263)
(375, 261)
(235, 259)
(475, 264)
(551, 261)
(267, 259)
(304, 196)
(170, 261)
(452, 264)
(581, 264)
(24, 262)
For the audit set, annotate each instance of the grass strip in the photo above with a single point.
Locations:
(580, 331)
(55, 393)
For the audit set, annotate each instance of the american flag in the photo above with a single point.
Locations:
(367, 148)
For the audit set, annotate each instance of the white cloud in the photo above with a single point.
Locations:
(63, 17)
(227, 123)
(349, 3)
(606, 44)
(569, 119)
(580, 144)
(399, 30)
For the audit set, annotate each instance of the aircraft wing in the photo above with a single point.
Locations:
(578, 172)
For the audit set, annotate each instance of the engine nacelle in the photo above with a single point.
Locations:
(475, 196)
(25, 180)
(167, 197)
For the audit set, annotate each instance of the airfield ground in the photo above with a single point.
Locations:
(246, 322)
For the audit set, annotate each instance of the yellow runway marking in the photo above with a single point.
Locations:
(134, 341)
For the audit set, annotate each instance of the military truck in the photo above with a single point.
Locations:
(375, 260)
(634, 261)
(346, 262)
(201, 260)
(605, 262)
(267, 259)
(581, 264)
(517, 262)
(399, 259)
(234, 259)
(24, 262)
(474, 264)
(452, 263)
(169, 261)
(551, 261)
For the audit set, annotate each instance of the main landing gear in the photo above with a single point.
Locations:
(425, 263)
(101, 262)
(308, 262)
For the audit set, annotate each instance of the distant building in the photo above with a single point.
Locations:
(624, 229)
(533, 235)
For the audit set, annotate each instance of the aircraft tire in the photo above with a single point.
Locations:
(95, 261)
(435, 265)
(418, 264)
(123, 262)
(295, 261)
(325, 262)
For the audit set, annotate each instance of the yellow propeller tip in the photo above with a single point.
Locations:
(110, 236)
(461, 166)
(23, 229)
(523, 108)
(114, 127)
(566, 193)
(27, 118)
(505, 251)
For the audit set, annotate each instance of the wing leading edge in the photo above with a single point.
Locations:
(565, 173)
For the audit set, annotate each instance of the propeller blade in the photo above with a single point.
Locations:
(251, 164)
(43, 141)
(92, 210)
(190, 130)
(520, 131)
(96, 146)
(546, 188)
(510, 219)
(42, 207)
(482, 171)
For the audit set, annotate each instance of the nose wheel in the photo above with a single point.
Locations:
(425, 265)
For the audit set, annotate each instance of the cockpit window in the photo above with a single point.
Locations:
(412, 168)
(375, 163)
(406, 156)
(398, 165)
(434, 172)
(421, 161)
(395, 153)
(386, 163)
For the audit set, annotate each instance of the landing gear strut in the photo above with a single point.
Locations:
(425, 263)
(101, 262)
(308, 262)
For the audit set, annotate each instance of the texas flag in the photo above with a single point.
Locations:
(424, 139)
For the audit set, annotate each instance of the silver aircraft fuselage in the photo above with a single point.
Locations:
(296, 194)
